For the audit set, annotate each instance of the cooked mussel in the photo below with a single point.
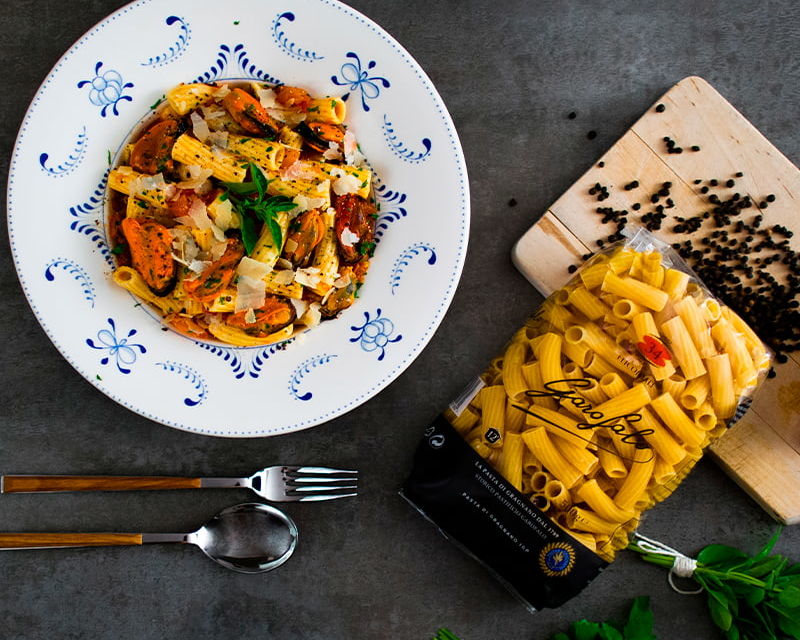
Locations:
(250, 114)
(305, 233)
(150, 246)
(276, 313)
(354, 227)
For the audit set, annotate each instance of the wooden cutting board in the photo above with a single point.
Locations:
(762, 451)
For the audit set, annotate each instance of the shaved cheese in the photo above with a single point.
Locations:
(250, 293)
(306, 203)
(199, 214)
(220, 93)
(298, 170)
(197, 176)
(312, 316)
(290, 246)
(198, 266)
(352, 154)
(308, 277)
(218, 139)
(283, 277)
(223, 214)
(348, 238)
(146, 183)
(204, 188)
(283, 263)
(186, 249)
(290, 117)
(344, 183)
(342, 281)
(199, 127)
(300, 306)
(252, 268)
(267, 98)
(212, 111)
(332, 152)
(218, 249)
(250, 316)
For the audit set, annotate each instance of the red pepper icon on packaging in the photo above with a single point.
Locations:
(654, 351)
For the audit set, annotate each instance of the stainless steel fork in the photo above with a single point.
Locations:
(275, 484)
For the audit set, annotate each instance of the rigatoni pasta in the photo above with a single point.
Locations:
(604, 401)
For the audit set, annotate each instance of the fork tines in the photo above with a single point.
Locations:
(319, 483)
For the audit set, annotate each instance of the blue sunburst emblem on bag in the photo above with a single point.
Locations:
(557, 559)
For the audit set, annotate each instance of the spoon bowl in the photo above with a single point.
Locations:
(249, 538)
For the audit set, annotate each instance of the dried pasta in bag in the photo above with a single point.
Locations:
(597, 410)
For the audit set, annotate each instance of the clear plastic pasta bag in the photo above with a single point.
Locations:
(596, 410)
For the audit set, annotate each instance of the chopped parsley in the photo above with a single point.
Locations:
(118, 249)
(97, 377)
(314, 109)
(252, 204)
(236, 22)
(366, 249)
(109, 157)
(157, 102)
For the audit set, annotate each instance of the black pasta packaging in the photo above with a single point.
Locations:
(482, 513)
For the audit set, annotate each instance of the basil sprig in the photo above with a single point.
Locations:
(749, 597)
(252, 204)
(639, 626)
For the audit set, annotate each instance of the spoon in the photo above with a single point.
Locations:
(249, 538)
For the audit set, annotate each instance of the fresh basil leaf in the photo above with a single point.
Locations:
(790, 597)
(720, 613)
(764, 567)
(249, 232)
(732, 633)
(277, 234)
(585, 630)
(259, 178)
(719, 554)
(790, 626)
(640, 620)
(240, 188)
(754, 596)
(607, 632)
(767, 549)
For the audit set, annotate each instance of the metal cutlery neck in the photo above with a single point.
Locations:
(226, 483)
(155, 538)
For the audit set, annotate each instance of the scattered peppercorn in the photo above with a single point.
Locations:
(572, 115)
(660, 108)
(592, 134)
(512, 202)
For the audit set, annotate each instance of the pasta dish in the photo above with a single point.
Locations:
(243, 212)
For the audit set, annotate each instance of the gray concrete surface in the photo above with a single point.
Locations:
(372, 568)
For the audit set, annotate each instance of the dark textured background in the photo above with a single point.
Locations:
(372, 568)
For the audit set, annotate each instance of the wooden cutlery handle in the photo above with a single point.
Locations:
(32, 484)
(44, 540)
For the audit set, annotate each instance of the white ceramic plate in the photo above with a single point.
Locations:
(88, 105)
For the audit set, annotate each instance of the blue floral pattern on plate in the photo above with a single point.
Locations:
(73, 160)
(354, 77)
(223, 66)
(404, 260)
(87, 218)
(177, 49)
(390, 208)
(244, 361)
(123, 352)
(106, 89)
(197, 381)
(399, 148)
(76, 271)
(375, 333)
(302, 370)
(288, 47)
